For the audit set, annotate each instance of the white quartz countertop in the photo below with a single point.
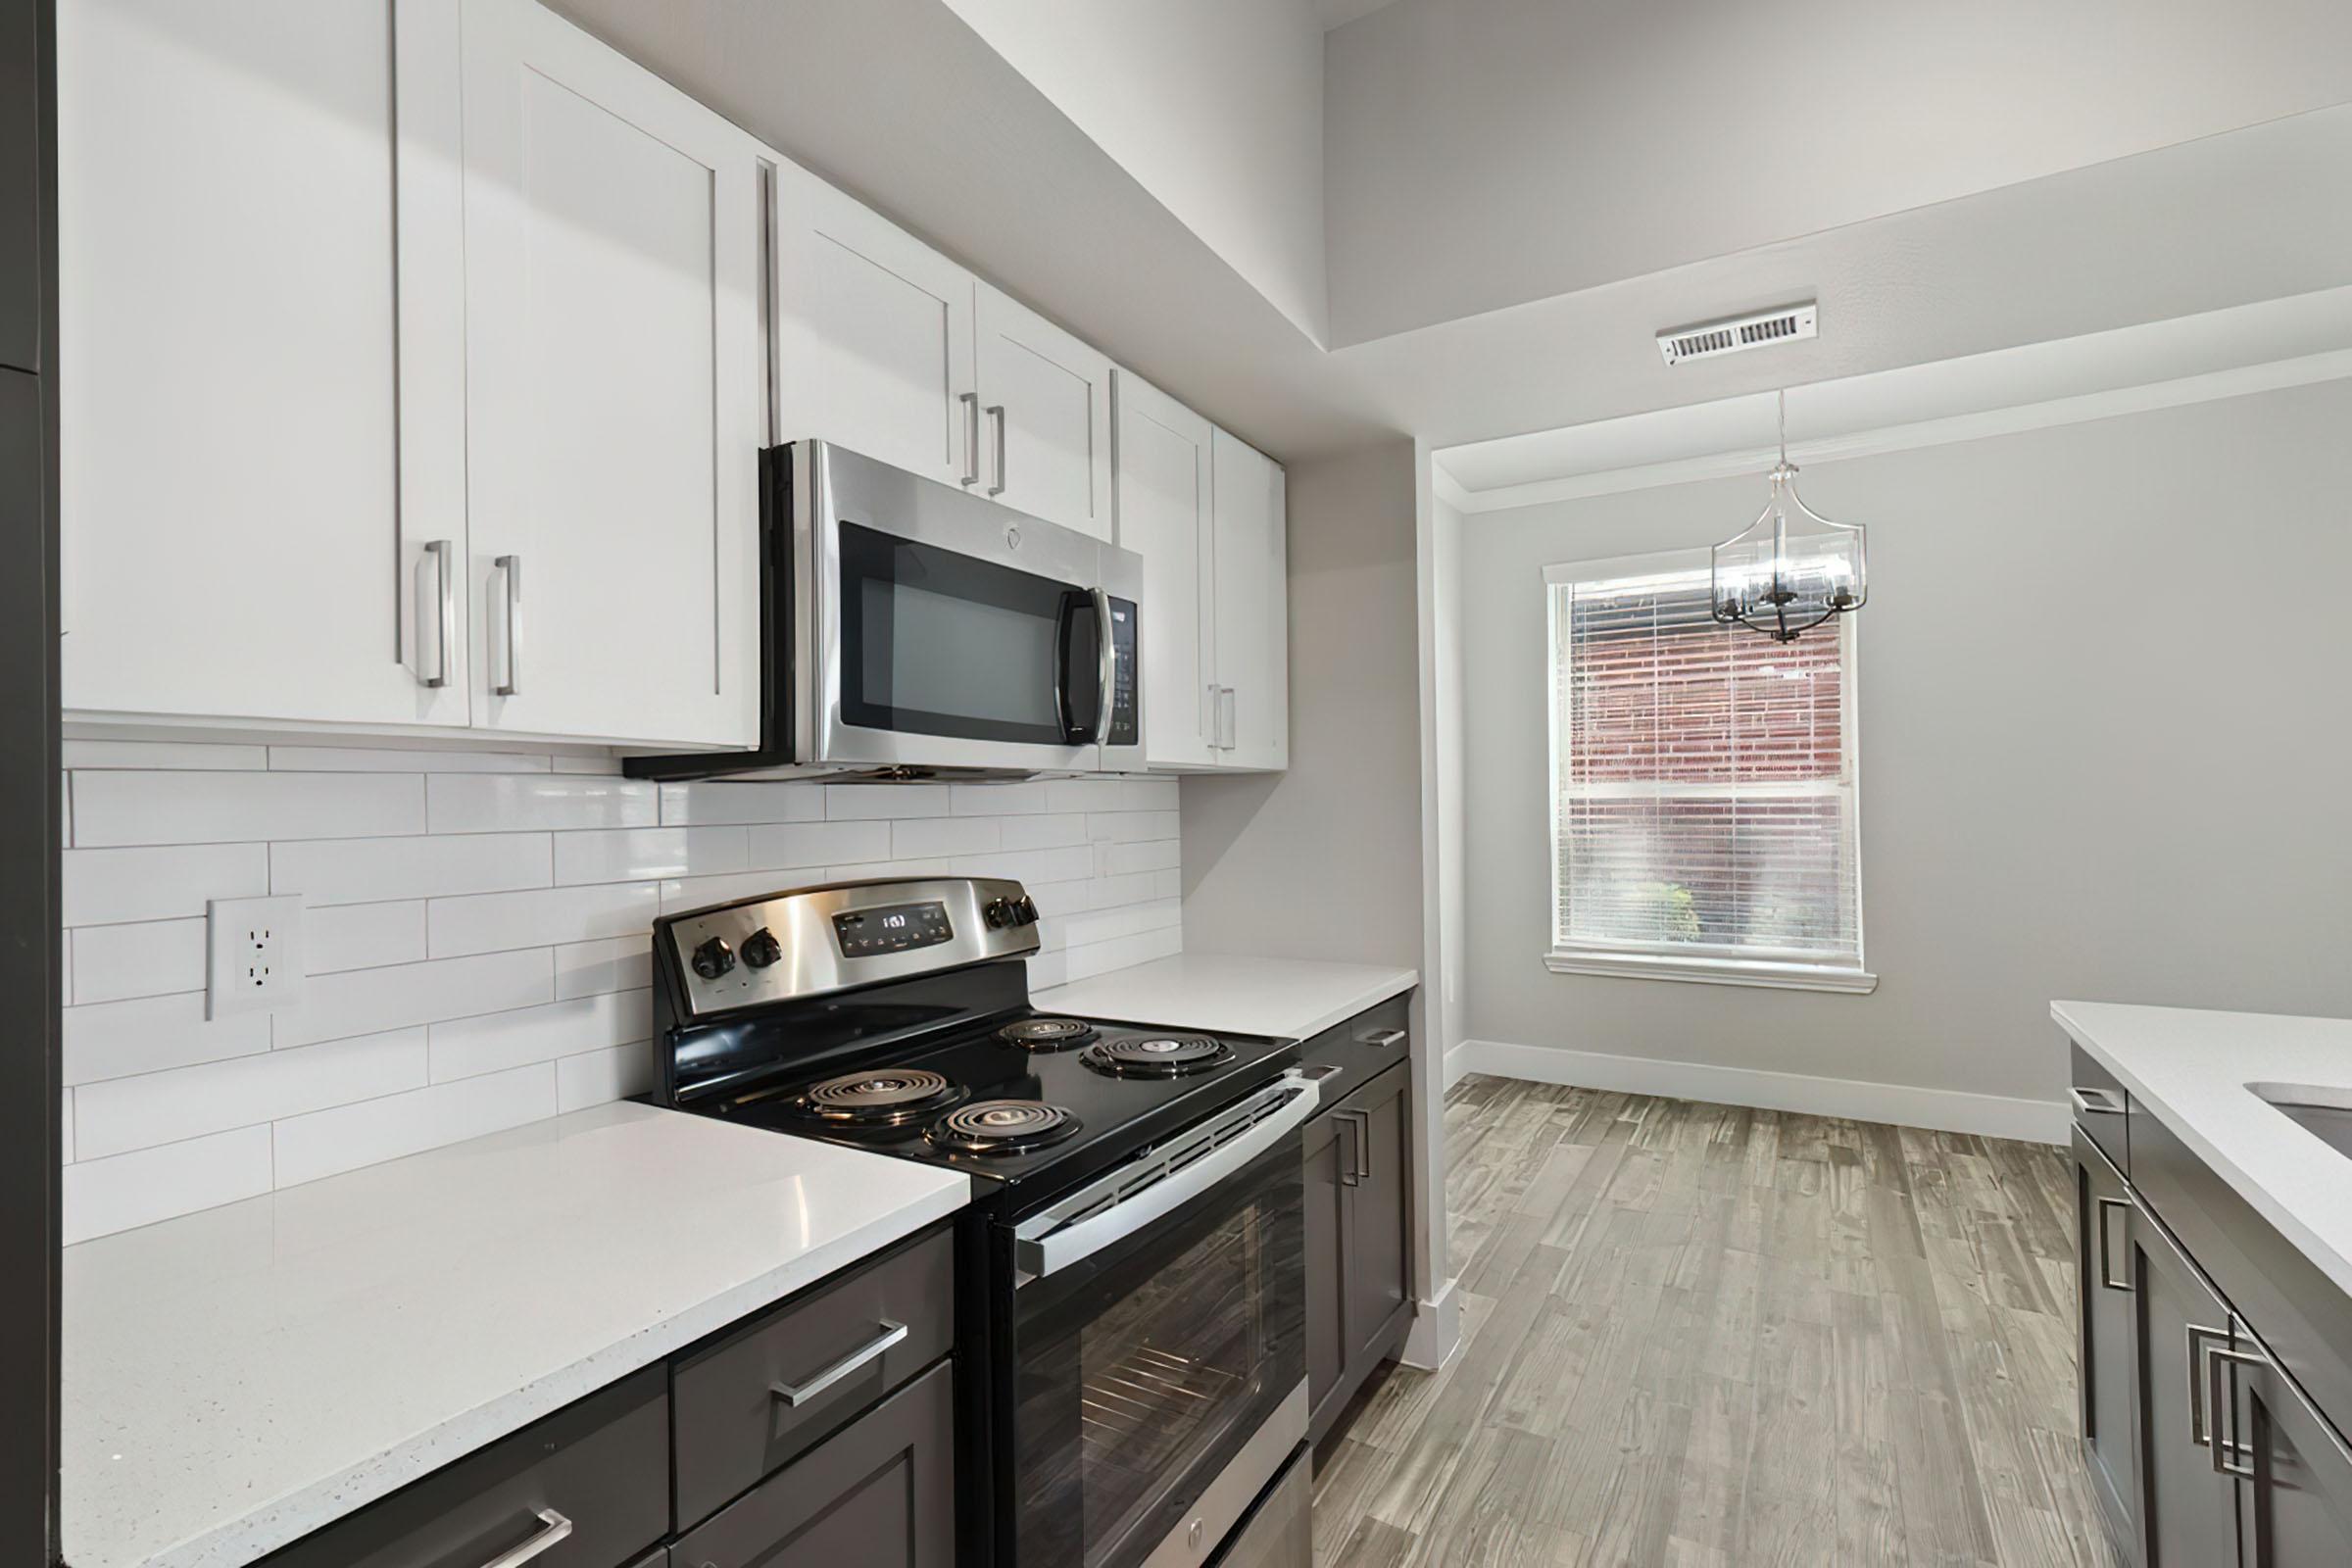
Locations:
(1229, 994)
(2191, 1069)
(236, 1377)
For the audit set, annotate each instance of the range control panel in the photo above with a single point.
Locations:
(892, 928)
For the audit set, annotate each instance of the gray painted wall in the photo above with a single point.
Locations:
(2106, 746)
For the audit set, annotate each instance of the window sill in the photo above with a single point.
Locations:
(1714, 971)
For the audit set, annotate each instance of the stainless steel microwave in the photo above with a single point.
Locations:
(912, 629)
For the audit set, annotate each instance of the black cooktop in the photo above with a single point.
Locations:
(888, 1103)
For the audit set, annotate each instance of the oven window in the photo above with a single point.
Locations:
(937, 643)
(1141, 1372)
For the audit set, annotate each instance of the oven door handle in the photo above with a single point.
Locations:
(1042, 1254)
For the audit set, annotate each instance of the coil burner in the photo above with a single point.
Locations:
(1158, 1055)
(1001, 1127)
(888, 1097)
(1046, 1034)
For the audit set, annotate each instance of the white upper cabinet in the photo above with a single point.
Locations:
(613, 390)
(1251, 611)
(1045, 409)
(235, 542)
(873, 336)
(1163, 517)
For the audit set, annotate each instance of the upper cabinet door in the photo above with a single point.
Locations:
(235, 542)
(1044, 409)
(613, 390)
(1163, 517)
(874, 336)
(1252, 609)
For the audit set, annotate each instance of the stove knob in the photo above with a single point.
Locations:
(762, 948)
(714, 958)
(1000, 913)
(1026, 911)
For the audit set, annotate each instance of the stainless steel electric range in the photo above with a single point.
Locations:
(1133, 1365)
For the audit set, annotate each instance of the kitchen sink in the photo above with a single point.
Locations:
(2324, 1113)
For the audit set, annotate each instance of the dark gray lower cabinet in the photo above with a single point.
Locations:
(2187, 1507)
(2103, 1219)
(1358, 1279)
(2295, 1510)
(879, 1494)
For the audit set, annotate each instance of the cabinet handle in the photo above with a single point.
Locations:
(1350, 1172)
(2220, 1382)
(971, 436)
(1225, 718)
(802, 1394)
(2197, 1425)
(995, 412)
(445, 598)
(2107, 1206)
(553, 1528)
(1382, 1039)
(2109, 1102)
(512, 567)
(1364, 1142)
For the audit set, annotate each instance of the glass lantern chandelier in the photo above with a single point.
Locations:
(1792, 569)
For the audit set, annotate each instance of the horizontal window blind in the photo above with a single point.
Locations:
(1707, 800)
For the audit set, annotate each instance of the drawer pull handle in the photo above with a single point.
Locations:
(2107, 1206)
(2220, 1405)
(2197, 1336)
(2108, 1102)
(553, 1528)
(797, 1395)
(1382, 1039)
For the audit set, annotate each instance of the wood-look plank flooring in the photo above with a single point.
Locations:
(1706, 1337)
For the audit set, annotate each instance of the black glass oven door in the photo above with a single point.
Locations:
(933, 642)
(1139, 1372)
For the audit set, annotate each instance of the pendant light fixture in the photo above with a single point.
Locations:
(1792, 569)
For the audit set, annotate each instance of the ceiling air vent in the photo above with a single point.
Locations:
(1736, 334)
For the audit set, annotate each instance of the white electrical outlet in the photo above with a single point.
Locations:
(255, 955)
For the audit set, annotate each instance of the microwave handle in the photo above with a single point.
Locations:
(1110, 651)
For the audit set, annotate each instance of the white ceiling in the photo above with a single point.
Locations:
(903, 104)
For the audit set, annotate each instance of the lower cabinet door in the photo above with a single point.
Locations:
(1379, 1278)
(879, 1494)
(1330, 1152)
(2295, 1502)
(2104, 1321)
(2188, 1509)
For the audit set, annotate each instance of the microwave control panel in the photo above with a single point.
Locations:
(1126, 724)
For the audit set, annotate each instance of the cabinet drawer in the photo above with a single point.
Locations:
(1361, 1049)
(2101, 1107)
(737, 1417)
(598, 1471)
(881, 1493)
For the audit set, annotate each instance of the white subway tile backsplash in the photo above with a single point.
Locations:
(178, 755)
(200, 807)
(362, 936)
(719, 802)
(476, 934)
(64, 1131)
(595, 1076)
(540, 917)
(102, 1195)
(104, 887)
(388, 759)
(590, 969)
(489, 803)
(814, 843)
(1007, 799)
(347, 1137)
(895, 802)
(944, 835)
(471, 1046)
(145, 958)
(364, 1001)
(162, 1107)
(375, 870)
(115, 1039)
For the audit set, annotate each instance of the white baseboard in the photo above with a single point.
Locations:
(1952, 1110)
(1436, 1332)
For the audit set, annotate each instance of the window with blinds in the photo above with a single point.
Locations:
(1704, 814)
